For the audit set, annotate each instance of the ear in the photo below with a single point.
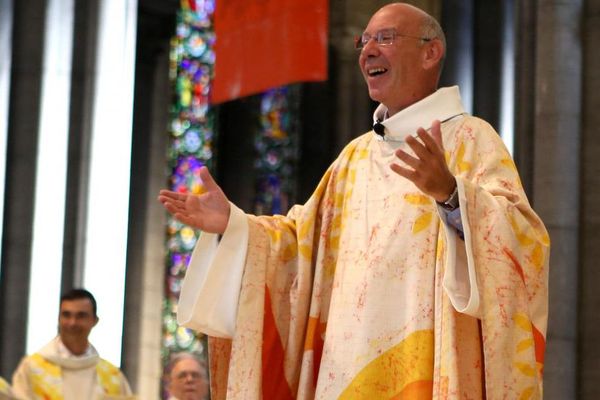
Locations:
(96, 322)
(433, 52)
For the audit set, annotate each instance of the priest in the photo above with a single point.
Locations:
(69, 367)
(417, 269)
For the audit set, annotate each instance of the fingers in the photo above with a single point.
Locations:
(207, 180)
(408, 159)
(436, 132)
(172, 205)
(432, 142)
(426, 168)
(419, 148)
(405, 172)
(173, 202)
(177, 208)
(426, 144)
(184, 218)
(170, 195)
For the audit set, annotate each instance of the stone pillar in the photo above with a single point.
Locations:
(589, 300)
(145, 276)
(80, 117)
(487, 60)
(23, 124)
(556, 181)
(525, 91)
(142, 339)
(457, 22)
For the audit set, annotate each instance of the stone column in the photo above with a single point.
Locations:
(487, 60)
(459, 68)
(556, 179)
(80, 116)
(525, 91)
(23, 124)
(146, 256)
(146, 252)
(589, 320)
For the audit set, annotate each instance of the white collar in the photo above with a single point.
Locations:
(444, 104)
(57, 353)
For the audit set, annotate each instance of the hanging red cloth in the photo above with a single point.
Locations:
(263, 44)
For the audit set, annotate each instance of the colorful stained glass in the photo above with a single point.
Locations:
(191, 140)
(277, 147)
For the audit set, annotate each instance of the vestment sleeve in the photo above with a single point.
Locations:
(211, 287)
(459, 281)
(503, 263)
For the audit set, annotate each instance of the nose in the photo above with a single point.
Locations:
(370, 47)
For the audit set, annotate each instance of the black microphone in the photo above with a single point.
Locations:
(379, 128)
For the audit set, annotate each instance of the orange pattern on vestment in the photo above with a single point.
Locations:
(314, 342)
(274, 383)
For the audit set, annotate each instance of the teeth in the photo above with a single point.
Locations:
(376, 71)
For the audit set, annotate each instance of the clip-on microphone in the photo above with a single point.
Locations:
(379, 128)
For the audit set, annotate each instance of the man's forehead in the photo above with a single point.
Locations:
(187, 364)
(76, 305)
(396, 16)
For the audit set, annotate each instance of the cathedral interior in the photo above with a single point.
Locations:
(529, 68)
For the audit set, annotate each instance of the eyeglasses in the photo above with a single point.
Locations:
(384, 37)
(192, 374)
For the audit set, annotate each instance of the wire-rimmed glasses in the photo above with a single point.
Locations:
(384, 37)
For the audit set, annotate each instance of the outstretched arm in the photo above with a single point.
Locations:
(208, 211)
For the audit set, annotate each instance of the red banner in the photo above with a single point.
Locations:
(262, 44)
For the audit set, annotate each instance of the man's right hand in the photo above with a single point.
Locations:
(208, 211)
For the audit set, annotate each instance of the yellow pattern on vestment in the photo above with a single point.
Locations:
(388, 375)
(5, 388)
(46, 378)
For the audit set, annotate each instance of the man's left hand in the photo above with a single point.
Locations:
(427, 169)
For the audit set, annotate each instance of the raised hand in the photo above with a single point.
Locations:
(427, 169)
(208, 211)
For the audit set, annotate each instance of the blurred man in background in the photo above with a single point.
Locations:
(69, 367)
(187, 378)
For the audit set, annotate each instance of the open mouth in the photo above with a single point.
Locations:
(376, 71)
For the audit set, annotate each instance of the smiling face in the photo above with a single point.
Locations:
(403, 72)
(75, 322)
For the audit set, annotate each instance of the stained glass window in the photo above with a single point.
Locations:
(191, 146)
(276, 145)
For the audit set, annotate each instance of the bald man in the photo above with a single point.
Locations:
(416, 270)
